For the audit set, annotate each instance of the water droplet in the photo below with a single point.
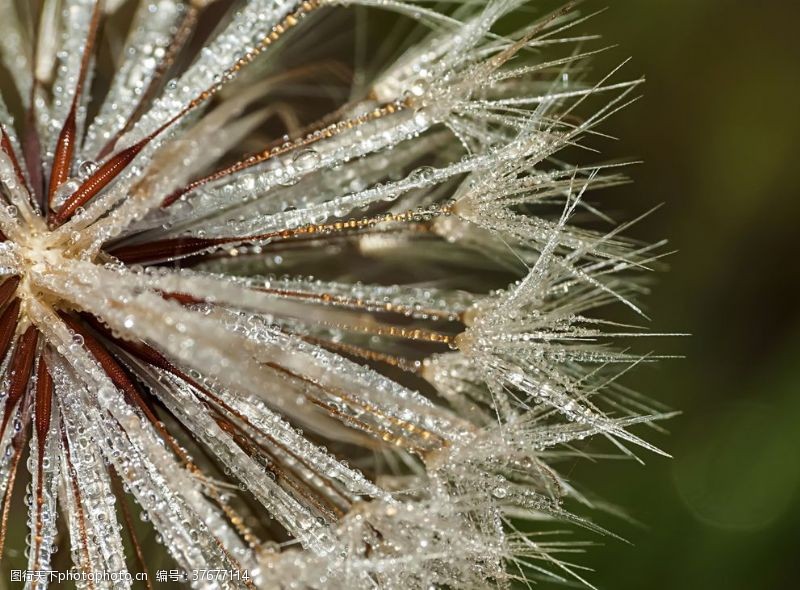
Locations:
(86, 169)
(306, 160)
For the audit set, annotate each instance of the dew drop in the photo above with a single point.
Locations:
(306, 160)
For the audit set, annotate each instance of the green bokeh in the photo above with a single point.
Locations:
(718, 130)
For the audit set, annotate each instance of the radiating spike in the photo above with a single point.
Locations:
(62, 161)
(7, 290)
(14, 50)
(21, 367)
(67, 138)
(279, 149)
(47, 42)
(119, 492)
(44, 400)
(18, 442)
(170, 248)
(42, 415)
(79, 534)
(32, 153)
(18, 445)
(8, 326)
(5, 145)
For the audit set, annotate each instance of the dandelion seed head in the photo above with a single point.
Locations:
(324, 313)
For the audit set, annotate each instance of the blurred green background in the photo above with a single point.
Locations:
(718, 130)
